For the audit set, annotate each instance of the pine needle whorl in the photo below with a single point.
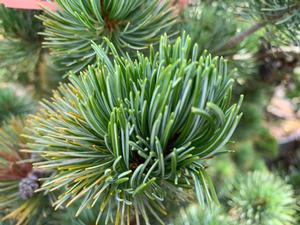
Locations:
(130, 24)
(129, 134)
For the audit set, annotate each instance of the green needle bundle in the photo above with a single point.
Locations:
(131, 134)
(130, 24)
(263, 198)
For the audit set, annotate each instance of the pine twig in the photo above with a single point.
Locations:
(240, 37)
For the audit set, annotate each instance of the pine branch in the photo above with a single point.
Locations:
(282, 19)
(132, 134)
(267, 17)
(234, 41)
(130, 25)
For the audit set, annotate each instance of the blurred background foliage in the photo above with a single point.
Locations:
(260, 40)
(22, 58)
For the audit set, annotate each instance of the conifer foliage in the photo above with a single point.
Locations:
(130, 25)
(20, 40)
(134, 136)
(129, 133)
(263, 198)
(14, 105)
(18, 180)
(281, 18)
(195, 215)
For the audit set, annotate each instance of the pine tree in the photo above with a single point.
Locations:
(135, 133)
